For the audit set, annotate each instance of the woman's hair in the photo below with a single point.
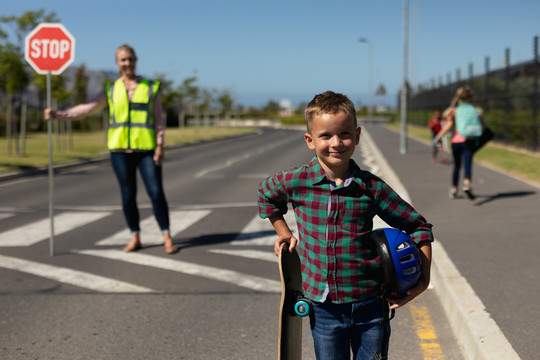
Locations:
(127, 48)
(329, 102)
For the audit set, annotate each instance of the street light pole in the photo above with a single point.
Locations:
(370, 75)
(404, 95)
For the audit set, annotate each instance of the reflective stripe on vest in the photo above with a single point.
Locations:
(131, 123)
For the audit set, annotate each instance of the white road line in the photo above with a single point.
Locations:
(150, 232)
(173, 206)
(250, 254)
(37, 231)
(245, 156)
(72, 277)
(232, 277)
(260, 232)
(253, 176)
(5, 216)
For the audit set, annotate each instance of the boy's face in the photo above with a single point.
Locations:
(334, 138)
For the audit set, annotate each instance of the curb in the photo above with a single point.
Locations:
(475, 330)
(10, 175)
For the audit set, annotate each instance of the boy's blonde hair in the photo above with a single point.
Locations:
(329, 102)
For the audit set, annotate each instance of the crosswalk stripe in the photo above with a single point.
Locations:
(40, 230)
(150, 232)
(250, 254)
(70, 276)
(236, 278)
(4, 215)
(260, 231)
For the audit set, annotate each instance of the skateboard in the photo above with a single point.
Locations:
(293, 306)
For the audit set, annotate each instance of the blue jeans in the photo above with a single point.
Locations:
(125, 167)
(362, 327)
(462, 151)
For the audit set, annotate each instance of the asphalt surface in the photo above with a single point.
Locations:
(489, 241)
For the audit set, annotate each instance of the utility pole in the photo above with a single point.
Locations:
(370, 74)
(404, 90)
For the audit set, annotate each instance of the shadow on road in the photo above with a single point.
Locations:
(212, 239)
(500, 196)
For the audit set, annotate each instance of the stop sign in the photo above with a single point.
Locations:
(49, 48)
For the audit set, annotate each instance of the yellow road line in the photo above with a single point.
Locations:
(431, 349)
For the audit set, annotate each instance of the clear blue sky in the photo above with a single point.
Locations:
(272, 50)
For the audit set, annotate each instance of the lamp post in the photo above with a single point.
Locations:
(370, 74)
(404, 95)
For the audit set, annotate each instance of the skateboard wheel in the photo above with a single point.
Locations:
(302, 308)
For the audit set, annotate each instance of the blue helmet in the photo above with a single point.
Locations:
(400, 260)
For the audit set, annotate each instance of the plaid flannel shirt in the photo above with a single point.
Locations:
(338, 261)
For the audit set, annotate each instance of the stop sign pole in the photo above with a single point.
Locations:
(50, 49)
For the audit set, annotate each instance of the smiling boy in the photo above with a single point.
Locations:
(334, 202)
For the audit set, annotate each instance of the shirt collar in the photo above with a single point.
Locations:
(318, 175)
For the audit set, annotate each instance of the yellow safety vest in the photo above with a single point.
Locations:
(131, 123)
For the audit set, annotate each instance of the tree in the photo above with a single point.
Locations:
(13, 73)
(25, 23)
(207, 99)
(300, 108)
(226, 101)
(271, 109)
(81, 83)
(189, 93)
(14, 79)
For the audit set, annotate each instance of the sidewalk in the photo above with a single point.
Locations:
(489, 240)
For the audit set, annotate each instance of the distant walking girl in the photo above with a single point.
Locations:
(469, 124)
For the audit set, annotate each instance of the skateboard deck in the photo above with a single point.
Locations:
(293, 307)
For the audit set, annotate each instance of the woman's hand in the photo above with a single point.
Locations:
(49, 113)
(159, 155)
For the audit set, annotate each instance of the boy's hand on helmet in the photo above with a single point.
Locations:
(410, 295)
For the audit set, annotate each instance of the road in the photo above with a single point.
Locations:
(215, 299)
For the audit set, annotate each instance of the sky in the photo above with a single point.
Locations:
(294, 49)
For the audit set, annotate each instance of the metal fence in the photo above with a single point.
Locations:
(508, 95)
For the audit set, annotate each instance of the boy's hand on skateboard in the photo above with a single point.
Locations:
(285, 238)
(284, 234)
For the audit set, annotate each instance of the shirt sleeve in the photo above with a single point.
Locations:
(272, 197)
(80, 111)
(399, 214)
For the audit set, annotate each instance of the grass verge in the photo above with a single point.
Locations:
(90, 145)
(518, 163)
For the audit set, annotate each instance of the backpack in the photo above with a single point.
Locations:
(468, 122)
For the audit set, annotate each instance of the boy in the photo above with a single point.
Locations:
(334, 203)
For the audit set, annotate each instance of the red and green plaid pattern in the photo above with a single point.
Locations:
(333, 224)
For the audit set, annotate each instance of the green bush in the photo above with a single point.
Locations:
(293, 120)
